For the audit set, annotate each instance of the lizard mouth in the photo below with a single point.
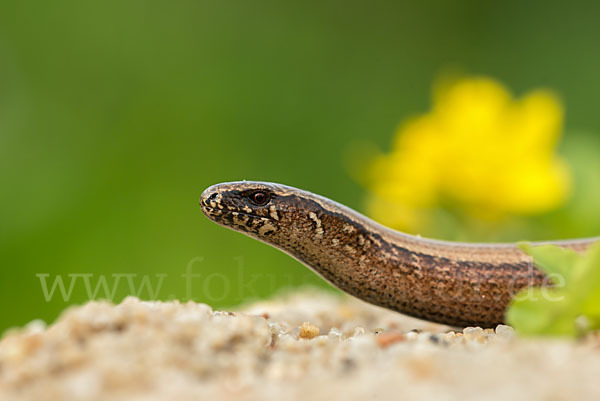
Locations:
(212, 212)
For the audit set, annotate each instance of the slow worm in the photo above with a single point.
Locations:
(460, 284)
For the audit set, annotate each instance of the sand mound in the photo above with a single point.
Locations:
(309, 346)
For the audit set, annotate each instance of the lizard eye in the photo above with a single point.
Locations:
(259, 198)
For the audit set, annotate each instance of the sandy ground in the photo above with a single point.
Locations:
(303, 346)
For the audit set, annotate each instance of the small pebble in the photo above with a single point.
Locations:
(473, 333)
(359, 331)
(335, 334)
(434, 339)
(384, 340)
(308, 331)
(505, 331)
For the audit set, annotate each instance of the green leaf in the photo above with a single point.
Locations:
(571, 310)
(552, 258)
(532, 313)
(587, 280)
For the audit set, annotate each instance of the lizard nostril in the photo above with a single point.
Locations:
(207, 199)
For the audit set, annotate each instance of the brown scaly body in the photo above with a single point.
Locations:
(459, 284)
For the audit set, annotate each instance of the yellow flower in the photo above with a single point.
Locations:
(479, 151)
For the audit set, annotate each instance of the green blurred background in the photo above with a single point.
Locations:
(115, 115)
